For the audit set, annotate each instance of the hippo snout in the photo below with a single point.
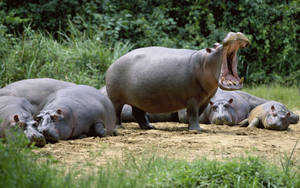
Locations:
(50, 135)
(222, 120)
(39, 140)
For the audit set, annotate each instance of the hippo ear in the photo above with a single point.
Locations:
(230, 101)
(288, 115)
(272, 108)
(16, 118)
(59, 111)
(211, 103)
(208, 50)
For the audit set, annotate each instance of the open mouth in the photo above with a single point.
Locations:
(229, 79)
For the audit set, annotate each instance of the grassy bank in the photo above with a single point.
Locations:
(19, 168)
(289, 96)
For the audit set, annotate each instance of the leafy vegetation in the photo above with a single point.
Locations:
(20, 167)
(272, 26)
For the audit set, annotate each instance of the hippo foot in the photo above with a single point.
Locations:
(120, 127)
(195, 128)
(147, 127)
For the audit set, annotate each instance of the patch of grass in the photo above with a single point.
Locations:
(19, 168)
(289, 96)
(77, 57)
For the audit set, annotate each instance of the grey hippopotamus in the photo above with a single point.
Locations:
(271, 115)
(161, 80)
(17, 111)
(75, 111)
(34, 90)
(227, 107)
(127, 116)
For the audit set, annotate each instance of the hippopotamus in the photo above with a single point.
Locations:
(271, 115)
(226, 107)
(17, 112)
(75, 111)
(162, 80)
(126, 114)
(34, 90)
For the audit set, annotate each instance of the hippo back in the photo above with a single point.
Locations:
(34, 90)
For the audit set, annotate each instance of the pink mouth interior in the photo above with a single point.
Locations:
(229, 79)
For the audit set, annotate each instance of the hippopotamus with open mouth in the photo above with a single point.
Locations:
(271, 115)
(17, 111)
(162, 80)
(75, 111)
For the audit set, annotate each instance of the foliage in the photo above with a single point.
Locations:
(20, 167)
(272, 26)
(76, 58)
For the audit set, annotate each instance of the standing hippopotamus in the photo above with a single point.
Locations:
(161, 80)
(34, 90)
(76, 110)
(126, 114)
(271, 115)
(17, 111)
(227, 107)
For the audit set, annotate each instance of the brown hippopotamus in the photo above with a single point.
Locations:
(34, 90)
(271, 115)
(75, 111)
(17, 111)
(227, 107)
(161, 80)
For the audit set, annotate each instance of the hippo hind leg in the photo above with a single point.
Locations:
(141, 118)
(118, 109)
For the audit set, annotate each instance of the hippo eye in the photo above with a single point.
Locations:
(274, 114)
(214, 108)
(54, 118)
(226, 105)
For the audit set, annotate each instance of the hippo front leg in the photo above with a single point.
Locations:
(193, 114)
(99, 129)
(141, 118)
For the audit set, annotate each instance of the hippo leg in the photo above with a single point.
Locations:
(244, 123)
(193, 114)
(99, 129)
(254, 123)
(141, 118)
(118, 108)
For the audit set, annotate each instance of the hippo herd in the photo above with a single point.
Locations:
(152, 84)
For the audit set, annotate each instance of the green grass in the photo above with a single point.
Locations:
(19, 168)
(289, 96)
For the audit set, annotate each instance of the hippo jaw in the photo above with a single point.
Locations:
(229, 79)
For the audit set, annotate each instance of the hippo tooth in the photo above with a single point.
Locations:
(242, 80)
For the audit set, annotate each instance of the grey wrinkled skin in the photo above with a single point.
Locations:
(271, 115)
(75, 111)
(34, 90)
(162, 80)
(17, 112)
(127, 116)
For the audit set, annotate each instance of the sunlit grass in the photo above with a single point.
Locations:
(289, 96)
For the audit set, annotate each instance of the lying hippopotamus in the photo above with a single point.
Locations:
(126, 114)
(161, 80)
(74, 111)
(34, 90)
(271, 115)
(227, 107)
(17, 111)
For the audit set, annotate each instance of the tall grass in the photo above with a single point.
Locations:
(77, 57)
(19, 168)
(289, 96)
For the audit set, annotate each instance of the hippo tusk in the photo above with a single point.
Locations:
(242, 80)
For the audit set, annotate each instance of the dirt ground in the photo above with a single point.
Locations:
(173, 140)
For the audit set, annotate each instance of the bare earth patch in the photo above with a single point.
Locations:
(173, 140)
